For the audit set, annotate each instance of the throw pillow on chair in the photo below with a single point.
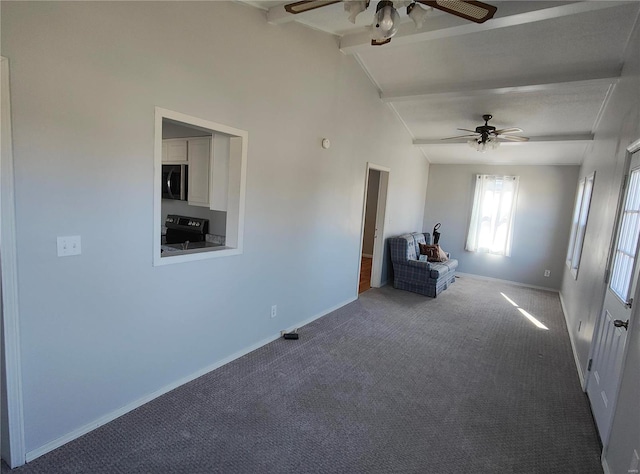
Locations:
(433, 252)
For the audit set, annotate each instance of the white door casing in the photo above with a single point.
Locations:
(15, 454)
(609, 347)
(378, 242)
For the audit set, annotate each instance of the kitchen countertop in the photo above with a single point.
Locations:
(193, 247)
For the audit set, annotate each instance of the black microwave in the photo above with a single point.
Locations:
(174, 182)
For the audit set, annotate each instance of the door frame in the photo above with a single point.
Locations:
(631, 149)
(381, 212)
(9, 276)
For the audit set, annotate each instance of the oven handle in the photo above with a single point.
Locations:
(169, 184)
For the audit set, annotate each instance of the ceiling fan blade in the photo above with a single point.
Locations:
(306, 5)
(467, 130)
(513, 138)
(375, 42)
(477, 12)
(461, 136)
(508, 130)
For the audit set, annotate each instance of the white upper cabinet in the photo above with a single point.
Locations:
(174, 151)
(199, 153)
(208, 160)
(219, 179)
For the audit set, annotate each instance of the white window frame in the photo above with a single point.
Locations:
(236, 189)
(579, 222)
(475, 224)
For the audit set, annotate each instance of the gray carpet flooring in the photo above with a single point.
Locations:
(392, 383)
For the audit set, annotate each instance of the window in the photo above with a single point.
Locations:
(579, 223)
(627, 243)
(494, 205)
(199, 188)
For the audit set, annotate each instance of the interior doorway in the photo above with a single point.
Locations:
(373, 218)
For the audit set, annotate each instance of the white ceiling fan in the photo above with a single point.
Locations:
(386, 18)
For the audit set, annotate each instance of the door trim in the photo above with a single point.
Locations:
(632, 148)
(9, 277)
(378, 245)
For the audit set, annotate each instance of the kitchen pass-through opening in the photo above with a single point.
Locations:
(199, 188)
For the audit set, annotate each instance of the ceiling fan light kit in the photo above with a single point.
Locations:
(354, 8)
(386, 20)
(482, 146)
(417, 14)
(487, 137)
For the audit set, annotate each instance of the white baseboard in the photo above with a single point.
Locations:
(573, 345)
(517, 283)
(605, 466)
(56, 443)
(382, 283)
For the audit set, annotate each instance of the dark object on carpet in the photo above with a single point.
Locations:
(290, 335)
(391, 383)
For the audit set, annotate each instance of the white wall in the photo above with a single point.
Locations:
(620, 126)
(104, 329)
(4, 409)
(541, 226)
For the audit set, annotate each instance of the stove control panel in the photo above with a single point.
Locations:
(192, 224)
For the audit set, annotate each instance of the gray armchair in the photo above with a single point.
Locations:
(409, 273)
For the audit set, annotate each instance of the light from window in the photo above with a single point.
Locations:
(492, 216)
(627, 243)
(579, 223)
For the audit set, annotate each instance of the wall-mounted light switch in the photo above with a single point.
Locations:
(69, 245)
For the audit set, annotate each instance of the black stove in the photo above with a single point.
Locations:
(181, 229)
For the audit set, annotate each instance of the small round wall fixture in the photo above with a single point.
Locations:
(326, 143)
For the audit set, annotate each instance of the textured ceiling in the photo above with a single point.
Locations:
(545, 67)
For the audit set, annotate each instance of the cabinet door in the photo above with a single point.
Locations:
(176, 151)
(199, 157)
(219, 184)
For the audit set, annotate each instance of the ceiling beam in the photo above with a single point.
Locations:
(605, 78)
(573, 138)
(447, 26)
(278, 15)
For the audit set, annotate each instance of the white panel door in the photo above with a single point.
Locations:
(604, 379)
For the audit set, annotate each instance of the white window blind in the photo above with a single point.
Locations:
(492, 215)
(627, 243)
(579, 223)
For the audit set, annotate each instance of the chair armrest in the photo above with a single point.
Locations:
(418, 264)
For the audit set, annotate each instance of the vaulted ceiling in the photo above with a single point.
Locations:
(545, 67)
